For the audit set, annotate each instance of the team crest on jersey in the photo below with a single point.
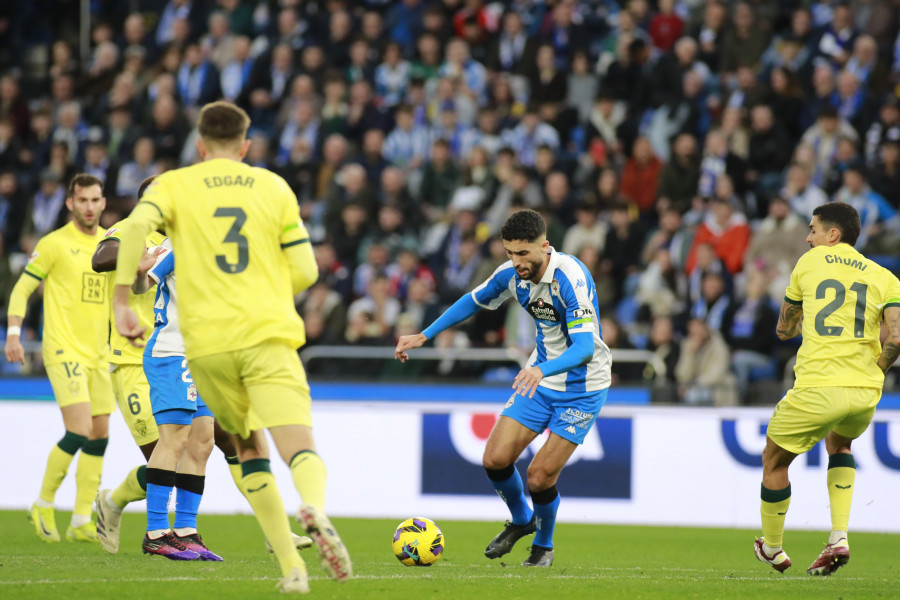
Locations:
(74, 387)
(192, 393)
(554, 287)
(511, 401)
(140, 426)
(111, 232)
(543, 311)
(33, 256)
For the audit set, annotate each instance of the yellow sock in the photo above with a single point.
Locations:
(308, 472)
(234, 467)
(773, 508)
(58, 462)
(87, 475)
(131, 490)
(262, 493)
(841, 477)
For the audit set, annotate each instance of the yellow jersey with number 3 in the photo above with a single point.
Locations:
(228, 223)
(121, 352)
(843, 295)
(76, 304)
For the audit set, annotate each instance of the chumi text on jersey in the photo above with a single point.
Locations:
(850, 262)
(216, 181)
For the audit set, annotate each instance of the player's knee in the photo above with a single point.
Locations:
(540, 478)
(494, 461)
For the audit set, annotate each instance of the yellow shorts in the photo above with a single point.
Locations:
(74, 383)
(805, 416)
(254, 388)
(133, 397)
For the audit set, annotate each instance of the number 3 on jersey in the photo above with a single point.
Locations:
(840, 293)
(234, 237)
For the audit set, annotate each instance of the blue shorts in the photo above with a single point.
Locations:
(569, 415)
(173, 395)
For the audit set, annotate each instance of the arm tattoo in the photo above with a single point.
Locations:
(789, 321)
(891, 349)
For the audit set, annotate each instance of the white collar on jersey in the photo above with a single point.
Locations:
(552, 265)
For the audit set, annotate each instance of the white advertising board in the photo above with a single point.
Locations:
(639, 465)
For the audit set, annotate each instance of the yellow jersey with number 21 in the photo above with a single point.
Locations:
(843, 294)
(228, 223)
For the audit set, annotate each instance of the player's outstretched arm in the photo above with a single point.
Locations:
(789, 320)
(143, 281)
(461, 310)
(408, 342)
(104, 259)
(18, 300)
(890, 350)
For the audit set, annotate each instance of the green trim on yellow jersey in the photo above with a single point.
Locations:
(158, 209)
(792, 301)
(38, 277)
(291, 226)
(300, 241)
(889, 304)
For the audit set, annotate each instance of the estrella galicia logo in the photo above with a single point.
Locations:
(545, 311)
(452, 446)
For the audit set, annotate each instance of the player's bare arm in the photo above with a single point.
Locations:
(789, 321)
(408, 342)
(104, 259)
(142, 281)
(127, 323)
(890, 350)
(15, 352)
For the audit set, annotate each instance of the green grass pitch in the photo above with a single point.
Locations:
(592, 561)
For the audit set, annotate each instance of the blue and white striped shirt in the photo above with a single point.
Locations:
(166, 339)
(562, 304)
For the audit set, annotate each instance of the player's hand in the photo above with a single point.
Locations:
(526, 382)
(148, 259)
(15, 352)
(408, 342)
(128, 326)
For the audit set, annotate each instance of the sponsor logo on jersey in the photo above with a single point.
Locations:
(33, 256)
(544, 311)
(453, 444)
(111, 232)
(582, 312)
(571, 429)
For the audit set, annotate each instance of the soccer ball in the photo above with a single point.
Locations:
(418, 542)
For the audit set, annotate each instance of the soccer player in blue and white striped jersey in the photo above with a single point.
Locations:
(563, 387)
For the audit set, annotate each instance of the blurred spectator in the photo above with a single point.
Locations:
(470, 74)
(718, 159)
(364, 115)
(349, 188)
(299, 141)
(13, 208)
(838, 38)
(198, 78)
(702, 369)
(137, 170)
(885, 178)
(640, 177)
(878, 218)
(407, 145)
(769, 152)
(48, 209)
(517, 191)
(778, 242)
(97, 163)
(392, 232)
(660, 287)
(679, 177)
(323, 305)
(662, 343)
(802, 195)
(666, 26)
(168, 129)
(12, 105)
(440, 178)
(748, 327)
(724, 228)
(588, 230)
(392, 76)
(403, 21)
(823, 138)
(885, 129)
(512, 51)
(621, 254)
(743, 44)
(349, 233)
(235, 72)
(547, 82)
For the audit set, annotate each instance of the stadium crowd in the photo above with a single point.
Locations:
(676, 147)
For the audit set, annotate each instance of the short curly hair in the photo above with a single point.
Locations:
(842, 216)
(525, 224)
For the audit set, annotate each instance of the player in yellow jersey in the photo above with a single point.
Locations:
(837, 299)
(132, 392)
(242, 255)
(76, 310)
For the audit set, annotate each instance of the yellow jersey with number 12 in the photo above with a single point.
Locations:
(76, 305)
(843, 294)
(121, 352)
(228, 223)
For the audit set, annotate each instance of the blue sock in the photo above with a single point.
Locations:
(546, 503)
(508, 484)
(159, 487)
(188, 493)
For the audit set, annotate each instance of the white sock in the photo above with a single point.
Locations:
(836, 535)
(770, 550)
(79, 520)
(183, 531)
(157, 533)
(43, 504)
